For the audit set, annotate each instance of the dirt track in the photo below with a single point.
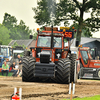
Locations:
(46, 91)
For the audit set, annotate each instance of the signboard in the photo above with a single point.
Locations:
(68, 34)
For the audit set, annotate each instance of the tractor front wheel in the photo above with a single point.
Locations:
(28, 69)
(98, 73)
(63, 71)
(72, 68)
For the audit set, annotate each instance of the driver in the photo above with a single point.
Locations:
(58, 44)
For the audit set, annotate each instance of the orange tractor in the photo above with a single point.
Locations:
(49, 59)
(89, 63)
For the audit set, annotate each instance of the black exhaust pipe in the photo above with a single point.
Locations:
(52, 37)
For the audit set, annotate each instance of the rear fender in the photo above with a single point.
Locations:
(33, 53)
(64, 54)
(33, 49)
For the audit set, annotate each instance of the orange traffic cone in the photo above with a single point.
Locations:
(15, 97)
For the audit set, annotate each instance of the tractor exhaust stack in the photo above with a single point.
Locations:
(52, 37)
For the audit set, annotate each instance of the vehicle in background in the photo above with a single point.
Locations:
(5, 52)
(89, 63)
(11, 54)
(17, 50)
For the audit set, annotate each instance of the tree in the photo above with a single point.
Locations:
(0, 42)
(4, 35)
(75, 10)
(23, 30)
(17, 32)
(85, 31)
(43, 11)
(11, 22)
(35, 34)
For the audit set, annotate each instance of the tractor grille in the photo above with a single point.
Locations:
(48, 51)
(39, 50)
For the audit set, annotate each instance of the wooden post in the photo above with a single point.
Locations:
(71, 91)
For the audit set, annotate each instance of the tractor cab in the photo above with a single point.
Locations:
(52, 42)
(89, 64)
(88, 53)
(94, 53)
(83, 55)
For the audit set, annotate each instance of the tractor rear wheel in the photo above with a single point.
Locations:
(80, 74)
(63, 71)
(28, 69)
(72, 68)
(98, 73)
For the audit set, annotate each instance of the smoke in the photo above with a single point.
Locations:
(52, 10)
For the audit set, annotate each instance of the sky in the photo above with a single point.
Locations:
(22, 10)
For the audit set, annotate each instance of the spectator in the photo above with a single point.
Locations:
(20, 65)
(7, 61)
(5, 68)
(14, 69)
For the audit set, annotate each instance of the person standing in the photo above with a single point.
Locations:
(5, 68)
(20, 65)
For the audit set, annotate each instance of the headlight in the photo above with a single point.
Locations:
(58, 55)
(39, 54)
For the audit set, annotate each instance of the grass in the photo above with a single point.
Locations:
(9, 74)
(97, 97)
(91, 79)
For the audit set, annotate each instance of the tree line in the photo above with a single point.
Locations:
(11, 30)
(70, 10)
(65, 11)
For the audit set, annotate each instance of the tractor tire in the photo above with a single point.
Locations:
(72, 68)
(63, 71)
(98, 73)
(80, 74)
(28, 69)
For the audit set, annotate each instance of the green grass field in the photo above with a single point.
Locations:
(97, 97)
(9, 74)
